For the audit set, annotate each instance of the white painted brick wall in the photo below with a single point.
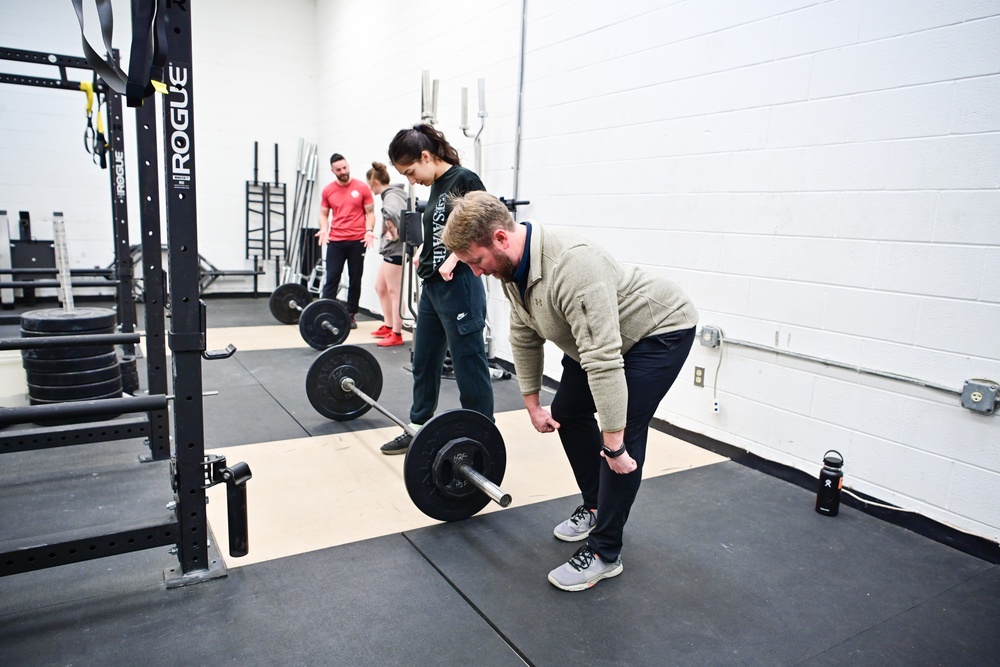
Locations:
(848, 174)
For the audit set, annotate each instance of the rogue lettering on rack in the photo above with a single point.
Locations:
(180, 140)
(120, 175)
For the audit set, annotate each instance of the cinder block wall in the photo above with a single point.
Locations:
(822, 179)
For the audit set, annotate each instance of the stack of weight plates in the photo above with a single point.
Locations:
(73, 372)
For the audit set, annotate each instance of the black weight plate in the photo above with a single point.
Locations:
(323, 382)
(70, 379)
(57, 320)
(43, 401)
(67, 353)
(324, 323)
(419, 468)
(97, 360)
(130, 374)
(282, 299)
(27, 333)
(82, 392)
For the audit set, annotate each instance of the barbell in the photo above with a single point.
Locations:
(455, 461)
(287, 302)
(322, 323)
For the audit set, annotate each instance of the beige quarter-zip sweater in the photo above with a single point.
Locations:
(594, 309)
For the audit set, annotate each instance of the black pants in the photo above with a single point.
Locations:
(651, 367)
(451, 316)
(338, 252)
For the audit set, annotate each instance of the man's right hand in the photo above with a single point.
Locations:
(321, 237)
(542, 420)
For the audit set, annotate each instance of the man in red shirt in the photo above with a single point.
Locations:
(348, 234)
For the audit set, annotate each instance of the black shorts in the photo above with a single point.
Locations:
(394, 259)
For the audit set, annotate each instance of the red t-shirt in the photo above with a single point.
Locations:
(348, 205)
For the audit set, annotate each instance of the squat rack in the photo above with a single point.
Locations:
(191, 471)
(119, 204)
(158, 433)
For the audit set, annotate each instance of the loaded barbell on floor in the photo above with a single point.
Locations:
(322, 323)
(287, 302)
(455, 461)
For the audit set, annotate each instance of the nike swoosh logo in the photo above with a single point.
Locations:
(460, 317)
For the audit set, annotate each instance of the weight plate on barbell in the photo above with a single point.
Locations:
(324, 382)
(324, 323)
(423, 469)
(56, 320)
(284, 300)
(95, 360)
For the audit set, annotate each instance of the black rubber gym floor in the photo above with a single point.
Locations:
(724, 565)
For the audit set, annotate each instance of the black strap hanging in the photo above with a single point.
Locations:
(148, 50)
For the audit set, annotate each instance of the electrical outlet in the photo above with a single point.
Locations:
(710, 336)
(981, 395)
(699, 376)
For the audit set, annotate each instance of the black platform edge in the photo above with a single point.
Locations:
(921, 525)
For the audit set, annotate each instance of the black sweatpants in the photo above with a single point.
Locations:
(651, 367)
(338, 252)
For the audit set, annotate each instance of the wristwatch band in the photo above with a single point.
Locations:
(613, 453)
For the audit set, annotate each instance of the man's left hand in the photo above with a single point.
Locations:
(623, 464)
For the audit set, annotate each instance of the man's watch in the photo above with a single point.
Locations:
(613, 453)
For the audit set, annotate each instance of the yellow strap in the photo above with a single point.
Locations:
(88, 88)
(100, 123)
(159, 86)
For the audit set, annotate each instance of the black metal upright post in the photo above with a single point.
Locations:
(153, 276)
(119, 212)
(187, 311)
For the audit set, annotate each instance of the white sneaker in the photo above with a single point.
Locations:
(584, 570)
(577, 527)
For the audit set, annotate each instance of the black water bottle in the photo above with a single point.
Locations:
(831, 480)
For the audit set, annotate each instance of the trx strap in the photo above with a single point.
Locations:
(148, 50)
(94, 141)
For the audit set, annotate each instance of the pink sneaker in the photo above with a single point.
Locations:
(392, 340)
(382, 332)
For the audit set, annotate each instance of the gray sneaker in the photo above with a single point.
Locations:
(577, 527)
(397, 445)
(584, 570)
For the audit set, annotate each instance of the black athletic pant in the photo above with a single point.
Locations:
(651, 367)
(337, 252)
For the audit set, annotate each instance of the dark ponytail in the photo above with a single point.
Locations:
(407, 145)
(378, 172)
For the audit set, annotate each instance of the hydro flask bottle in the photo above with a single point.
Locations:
(831, 479)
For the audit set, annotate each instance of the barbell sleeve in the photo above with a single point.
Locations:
(492, 491)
